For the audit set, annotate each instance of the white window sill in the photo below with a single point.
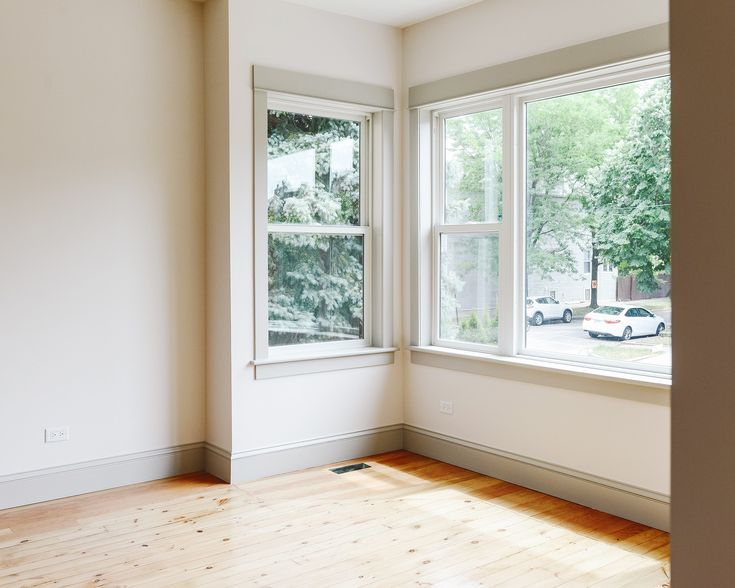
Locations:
(653, 389)
(294, 365)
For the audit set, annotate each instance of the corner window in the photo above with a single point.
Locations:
(549, 204)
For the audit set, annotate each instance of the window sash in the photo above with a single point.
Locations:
(263, 102)
(467, 229)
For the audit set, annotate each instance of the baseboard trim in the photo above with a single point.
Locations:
(636, 504)
(259, 463)
(100, 474)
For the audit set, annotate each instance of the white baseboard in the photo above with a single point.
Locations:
(636, 504)
(269, 461)
(100, 474)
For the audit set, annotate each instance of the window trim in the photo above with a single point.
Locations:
(511, 345)
(339, 99)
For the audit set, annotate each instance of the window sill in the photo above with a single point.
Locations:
(295, 365)
(651, 389)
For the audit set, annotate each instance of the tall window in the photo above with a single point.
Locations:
(467, 238)
(550, 219)
(322, 223)
(318, 236)
(598, 188)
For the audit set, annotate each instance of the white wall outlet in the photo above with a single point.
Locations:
(56, 434)
(446, 407)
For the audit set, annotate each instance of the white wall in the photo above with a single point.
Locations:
(498, 31)
(267, 413)
(101, 228)
(622, 440)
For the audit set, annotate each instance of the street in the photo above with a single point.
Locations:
(570, 339)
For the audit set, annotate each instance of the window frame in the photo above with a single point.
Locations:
(362, 229)
(376, 134)
(441, 227)
(512, 278)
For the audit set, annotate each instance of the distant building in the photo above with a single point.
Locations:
(577, 287)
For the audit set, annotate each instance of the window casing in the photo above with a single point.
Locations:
(510, 227)
(362, 237)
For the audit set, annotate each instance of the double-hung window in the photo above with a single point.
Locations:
(530, 196)
(318, 234)
(323, 248)
(467, 236)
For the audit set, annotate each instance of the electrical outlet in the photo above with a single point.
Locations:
(56, 434)
(446, 407)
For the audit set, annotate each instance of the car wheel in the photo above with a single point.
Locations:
(593, 335)
(660, 329)
(626, 334)
(567, 317)
(538, 319)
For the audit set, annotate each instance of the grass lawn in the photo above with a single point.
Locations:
(620, 352)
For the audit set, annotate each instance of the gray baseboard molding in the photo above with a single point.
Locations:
(100, 474)
(270, 461)
(635, 504)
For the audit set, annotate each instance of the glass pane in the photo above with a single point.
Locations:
(474, 168)
(598, 194)
(469, 288)
(313, 169)
(315, 288)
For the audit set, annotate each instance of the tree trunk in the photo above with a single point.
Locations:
(594, 264)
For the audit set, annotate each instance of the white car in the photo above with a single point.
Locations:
(623, 321)
(546, 308)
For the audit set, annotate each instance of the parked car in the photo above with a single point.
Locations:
(545, 308)
(623, 321)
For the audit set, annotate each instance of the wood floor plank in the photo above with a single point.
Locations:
(405, 521)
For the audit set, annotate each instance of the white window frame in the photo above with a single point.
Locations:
(297, 105)
(441, 227)
(512, 228)
(375, 226)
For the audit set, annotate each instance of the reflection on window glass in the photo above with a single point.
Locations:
(313, 169)
(598, 197)
(315, 288)
(474, 168)
(469, 288)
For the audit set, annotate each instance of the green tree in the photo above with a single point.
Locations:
(315, 281)
(566, 138)
(630, 192)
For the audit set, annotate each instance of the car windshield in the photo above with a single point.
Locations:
(609, 310)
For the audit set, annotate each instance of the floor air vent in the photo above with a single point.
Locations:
(349, 468)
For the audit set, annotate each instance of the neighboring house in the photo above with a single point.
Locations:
(576, 287)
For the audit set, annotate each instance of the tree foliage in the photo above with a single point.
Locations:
(315, 281)
(566, 138)
(630, 192)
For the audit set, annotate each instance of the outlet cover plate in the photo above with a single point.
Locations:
(56, 434)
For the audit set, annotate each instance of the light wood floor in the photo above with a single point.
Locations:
(406, 521)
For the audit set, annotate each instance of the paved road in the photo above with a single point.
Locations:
(558, 337)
